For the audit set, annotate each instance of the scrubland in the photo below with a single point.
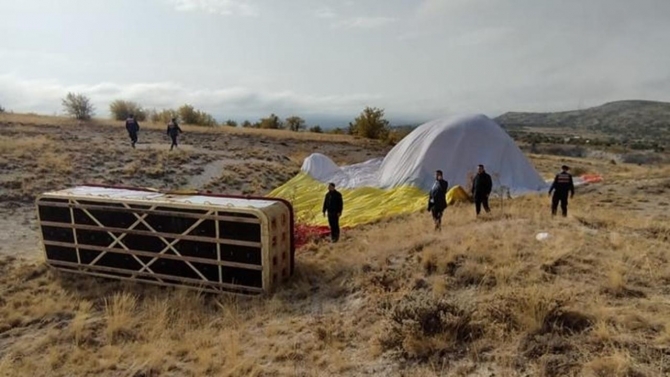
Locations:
(483, 297)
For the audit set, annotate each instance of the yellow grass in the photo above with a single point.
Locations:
(481, 297)
(44, 120)
(517, 298)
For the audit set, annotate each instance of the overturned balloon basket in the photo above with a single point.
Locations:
(200, 240)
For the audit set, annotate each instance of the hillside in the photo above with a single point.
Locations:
(484, 297)
(626, 121)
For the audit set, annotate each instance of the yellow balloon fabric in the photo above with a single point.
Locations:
(457, 195)
(361, 205)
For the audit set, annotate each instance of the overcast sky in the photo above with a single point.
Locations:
(418, 59)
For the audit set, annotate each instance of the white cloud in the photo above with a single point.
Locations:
(325, 12)
(225, 7)
(44, 96)
(364, 22)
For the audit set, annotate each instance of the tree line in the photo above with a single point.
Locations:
(370, 123)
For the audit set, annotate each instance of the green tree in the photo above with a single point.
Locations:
(316, 129)
(370, 124)
(271, 122)
(188, 114)
(295, 123)
(163, 116)
(230, 123)
(2, 109)
(247, 124)
(79, 106)
(121, 109)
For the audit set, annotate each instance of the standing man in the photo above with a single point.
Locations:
(481, 189)
(334, 205)
(133, 128)
(561, 186)
(437, 199)
(173, 131)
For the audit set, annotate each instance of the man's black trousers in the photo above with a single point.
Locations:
(563, 200)
(133, 136)
(482, 201)
(334, 223)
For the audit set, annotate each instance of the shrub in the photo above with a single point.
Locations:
(2, 109)
(121, 109)
(78, 106)
(164, 116)
(295, 123)
(271, 122)
(370, 124)
(421, 326)
(640, 158)
(316, 129)
(247, 124)
(230, 123)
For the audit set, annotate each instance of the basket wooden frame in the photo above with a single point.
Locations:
(275, 245)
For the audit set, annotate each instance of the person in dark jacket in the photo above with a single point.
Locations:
(333, 205)
(561, 187)
(482, 185)
(437, 199)
(173, 131)
(133, 128)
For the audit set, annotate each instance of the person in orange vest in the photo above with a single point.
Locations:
(561, 187)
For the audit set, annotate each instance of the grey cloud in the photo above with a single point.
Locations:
(45, 96)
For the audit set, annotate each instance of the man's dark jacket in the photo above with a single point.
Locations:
(333, 203)
(173, 131)
(562, 185)
(438, 195)
(132, 126)
(482, 185)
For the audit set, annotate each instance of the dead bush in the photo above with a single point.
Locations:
(421, 326)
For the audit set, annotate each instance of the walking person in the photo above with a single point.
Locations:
(482, 185)
(173, 131)
(133, 128)
(333, 205)
(437, 199)
(561, 187)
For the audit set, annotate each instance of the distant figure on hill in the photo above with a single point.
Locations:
(481, 189)
(173, 131)
(333, 204)
(437, 199)
(133, 128)
(562, 186)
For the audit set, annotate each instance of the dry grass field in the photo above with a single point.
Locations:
(483, 297)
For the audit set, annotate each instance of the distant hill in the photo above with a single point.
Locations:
(646, 121)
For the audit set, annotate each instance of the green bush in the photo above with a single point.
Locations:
(163, 116)
(295, 123)
(370, 124)
(121, 109)
(271, 122)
